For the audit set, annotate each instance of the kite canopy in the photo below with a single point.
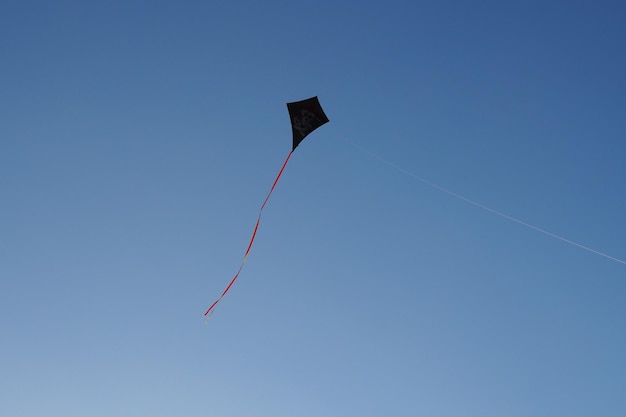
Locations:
(306, 116)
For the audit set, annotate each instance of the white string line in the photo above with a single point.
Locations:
(474, 203)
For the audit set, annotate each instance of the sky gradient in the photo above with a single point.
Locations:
(138, 140)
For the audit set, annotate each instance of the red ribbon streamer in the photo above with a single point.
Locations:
(208, 313)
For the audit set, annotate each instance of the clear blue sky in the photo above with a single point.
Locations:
(138, 140)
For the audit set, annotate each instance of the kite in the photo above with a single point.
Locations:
(306, 116)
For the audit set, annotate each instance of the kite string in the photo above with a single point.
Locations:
(479, 205)
(209, 311)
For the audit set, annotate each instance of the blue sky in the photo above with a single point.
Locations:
(138, 140)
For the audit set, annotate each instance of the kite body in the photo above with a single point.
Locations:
(306, 116)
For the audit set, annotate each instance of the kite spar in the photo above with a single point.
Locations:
(306, 116)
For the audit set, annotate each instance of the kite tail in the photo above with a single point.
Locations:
(210, 310)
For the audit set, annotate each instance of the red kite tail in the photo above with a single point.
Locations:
(210, 310)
